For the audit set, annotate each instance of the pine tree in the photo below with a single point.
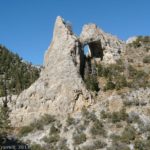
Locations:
(4, 121)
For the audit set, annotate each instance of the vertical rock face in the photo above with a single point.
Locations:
(60, 89)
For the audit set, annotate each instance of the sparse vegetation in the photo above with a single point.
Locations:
(25, 130)
(54, 130)
(99, 144)
(142, 144)
(54, 138)
(115, 116)
(91, 83)
(63, 145)
(128, 134)
(146, 59)
(119, 116)
(118, 146)
(37, 124)
(98, 129)
(79, 138)
(114, 75)
(70, 120)
(141, 40)
(37, 147)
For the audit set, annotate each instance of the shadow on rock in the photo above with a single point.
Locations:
(11, 143)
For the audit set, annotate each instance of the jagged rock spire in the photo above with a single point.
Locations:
(60, 89)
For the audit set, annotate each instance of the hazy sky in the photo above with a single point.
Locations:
(26, 26)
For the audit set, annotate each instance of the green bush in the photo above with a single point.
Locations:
(54, 130)
(120, 82)
(139, 144)
(4, 121)
(118, 146)
(70, 121)
(91, 83)
(25, 130)
(79, 138)
(142, 144)
(119, 116)
(51, 139)
(110, 71)
(98, 128)
(138, 78)
(37, 124)
(63, 145)
(90, 116)
(47, 119)
(99, 144)
(104, 115)
(115, 116)
(146, 59)
(128, 134)
(109, 85)
(36, 147)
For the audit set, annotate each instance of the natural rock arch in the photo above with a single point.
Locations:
(95, 50)
(60, 89)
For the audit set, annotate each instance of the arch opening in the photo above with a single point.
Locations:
(94, 50)
(93, 53)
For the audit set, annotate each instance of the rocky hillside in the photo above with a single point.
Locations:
(15, 75)
(81, 102)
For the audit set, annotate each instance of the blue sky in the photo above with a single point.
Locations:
(26, 26)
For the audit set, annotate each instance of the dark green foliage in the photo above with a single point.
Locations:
(114, 75)
(63, 144)
(104, 115)
(119, 116)
(47, 119)
(109, 85)
(98, 128)
(115, 116)
(4, 121)
(118, 146)
(128, 134)
(116, 78)
(99, 144)
(54, 130)
(110, 71)
(142, 144)
(90, 116)
(36, 147)
(79, 138)
(54, 138)
(70, 121)
(25, 130)
(138, 78)
(146, 59)
(16, 74)
(91, 83)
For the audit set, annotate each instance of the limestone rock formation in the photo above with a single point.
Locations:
(60, 89)
(101, 45)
